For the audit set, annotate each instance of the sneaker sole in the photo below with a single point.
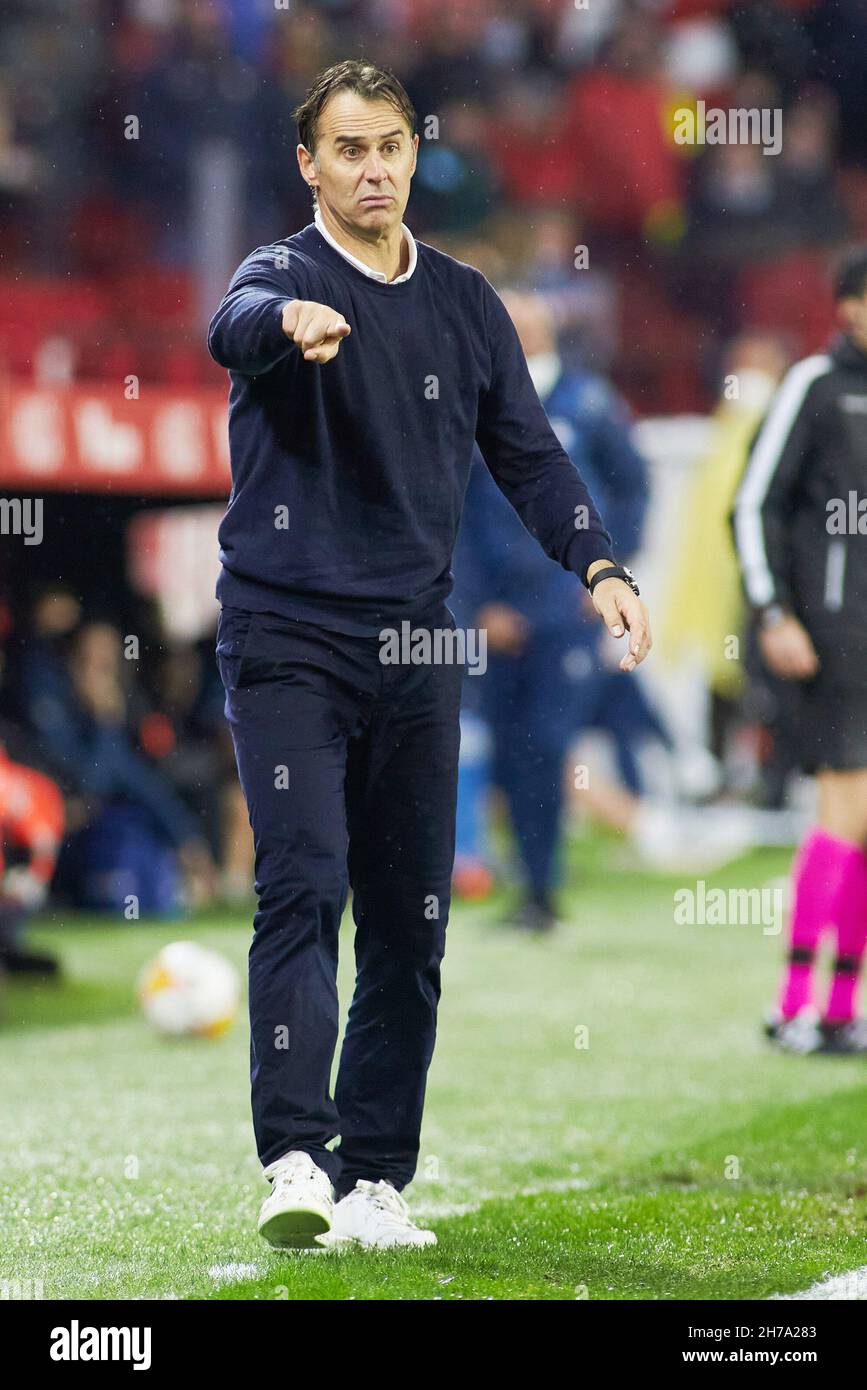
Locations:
(294, 1230)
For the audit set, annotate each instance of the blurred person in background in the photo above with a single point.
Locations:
(802, 543)
(19, 166)
(747, 209)
(808, 193)
(131, 835)
(703, 610)
(614, 119)
(455, 185)
(518, 720)
(838, 33)
(544, 678)
(583, 301)
(532, 153)
(449, 64)
(31, 831)
(201, 102)
(184, 733)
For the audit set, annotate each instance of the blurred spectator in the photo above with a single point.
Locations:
(582, 298)
(541, 106)
(200, 100)
(533, 151)
(186, 735)
(454, 187)
(450, 66)
(811, 205)
(626, 165)
(19, 167)
(838, 29)
(132, 835)
(772, 39)
(747, 206)
(31, 829)
(701, 617)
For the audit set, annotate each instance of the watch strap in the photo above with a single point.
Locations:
(614, 572)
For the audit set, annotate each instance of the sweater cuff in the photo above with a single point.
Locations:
(583, 549)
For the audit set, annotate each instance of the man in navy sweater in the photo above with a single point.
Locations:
(363, 367)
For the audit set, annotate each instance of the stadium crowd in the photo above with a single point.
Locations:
(545, 126)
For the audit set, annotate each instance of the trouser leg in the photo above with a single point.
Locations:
(291, 721)
(401, 794)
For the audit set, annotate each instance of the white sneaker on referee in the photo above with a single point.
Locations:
(299, 1206)
(375, 1215)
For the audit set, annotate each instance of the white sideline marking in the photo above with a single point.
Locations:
(851, 1287)
(557, 1185)
(229, 1273)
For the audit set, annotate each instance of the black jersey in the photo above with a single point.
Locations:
(800, 515)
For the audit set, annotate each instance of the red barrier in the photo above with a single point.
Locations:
(92, 439)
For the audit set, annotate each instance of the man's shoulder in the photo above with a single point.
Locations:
(291, 253)
(458, 273)
(808, 386)
(849, 361)
(809, 371)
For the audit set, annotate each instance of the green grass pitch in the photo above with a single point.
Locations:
(674, 1156)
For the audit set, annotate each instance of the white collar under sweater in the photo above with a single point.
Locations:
(365, 269)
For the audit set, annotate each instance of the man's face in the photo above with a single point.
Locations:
(853, 313)
(364, 162)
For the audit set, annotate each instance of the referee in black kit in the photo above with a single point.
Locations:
(363, 366)
(800, 526)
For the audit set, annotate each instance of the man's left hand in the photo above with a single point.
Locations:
(622, 610)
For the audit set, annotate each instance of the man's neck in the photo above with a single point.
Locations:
(386, 251)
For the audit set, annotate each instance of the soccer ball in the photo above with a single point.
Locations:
(188, 990)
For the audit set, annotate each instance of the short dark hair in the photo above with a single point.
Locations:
(353, 75)
(850, 279)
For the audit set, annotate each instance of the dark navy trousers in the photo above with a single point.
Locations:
(349, 769)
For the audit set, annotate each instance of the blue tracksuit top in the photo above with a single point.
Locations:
(495, 561)
(348, 478)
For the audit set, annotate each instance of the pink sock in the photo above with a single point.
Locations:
(851, 923)
(820, 866)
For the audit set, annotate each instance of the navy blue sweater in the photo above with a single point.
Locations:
(348, 478)
(495, 561)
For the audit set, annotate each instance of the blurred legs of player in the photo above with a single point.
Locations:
(530, 705)
(830, 892)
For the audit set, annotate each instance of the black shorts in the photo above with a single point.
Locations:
(826, 718)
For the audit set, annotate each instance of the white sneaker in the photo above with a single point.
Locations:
(300, 1204)
(376, 1216)
(801, 1033)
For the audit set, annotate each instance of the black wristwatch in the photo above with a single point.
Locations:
(614, 572)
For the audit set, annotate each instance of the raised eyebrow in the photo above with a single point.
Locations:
(362, 139)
